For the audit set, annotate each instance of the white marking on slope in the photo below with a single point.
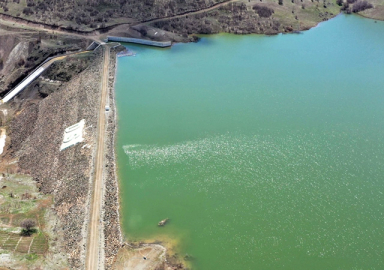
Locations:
(3, 136)
(73, 135)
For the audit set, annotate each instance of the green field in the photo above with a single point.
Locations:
(36, 244)
(20, 200)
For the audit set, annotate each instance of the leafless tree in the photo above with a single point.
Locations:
(27, 225)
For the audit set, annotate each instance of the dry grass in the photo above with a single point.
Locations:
(24, 244)
(129, 258)
(377, 12)
(37, 244)
(241, 18)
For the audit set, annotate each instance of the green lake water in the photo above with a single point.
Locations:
(266, 152)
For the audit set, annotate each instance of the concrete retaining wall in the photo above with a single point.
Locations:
(93, 46)
(141, 41)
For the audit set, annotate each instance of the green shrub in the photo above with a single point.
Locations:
(263, 11)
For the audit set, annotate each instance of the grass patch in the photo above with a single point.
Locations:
(31, 257)
(24, 244)
(3, 237)
(21, 201)
(40, 244)
(4, 220)
(18, 243)
(12, 241)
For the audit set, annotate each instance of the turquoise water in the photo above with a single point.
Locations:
(264, 152)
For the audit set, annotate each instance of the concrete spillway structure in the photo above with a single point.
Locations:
(35, 74)
(94, 45)
(30, 78)
(161, 44)
(22, 85)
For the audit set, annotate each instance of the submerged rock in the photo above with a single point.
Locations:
(163, 222)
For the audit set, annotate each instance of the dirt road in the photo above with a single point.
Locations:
(215, 6)
(93, 257)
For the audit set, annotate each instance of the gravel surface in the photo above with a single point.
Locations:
(112, 231)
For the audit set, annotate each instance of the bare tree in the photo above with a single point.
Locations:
(360, 6)
(27, 225)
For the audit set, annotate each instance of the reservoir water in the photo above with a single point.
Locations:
(266, 152)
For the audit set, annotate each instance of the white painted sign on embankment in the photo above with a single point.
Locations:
(73, 135)
(3, 136)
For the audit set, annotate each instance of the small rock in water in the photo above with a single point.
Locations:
(163, 222)
(126, 52)
(188, 257)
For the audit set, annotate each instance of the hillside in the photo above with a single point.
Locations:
(188, 16)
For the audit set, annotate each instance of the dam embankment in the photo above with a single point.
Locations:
(36, 135)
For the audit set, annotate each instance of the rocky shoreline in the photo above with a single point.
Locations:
(112, 232)
(114, 243)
